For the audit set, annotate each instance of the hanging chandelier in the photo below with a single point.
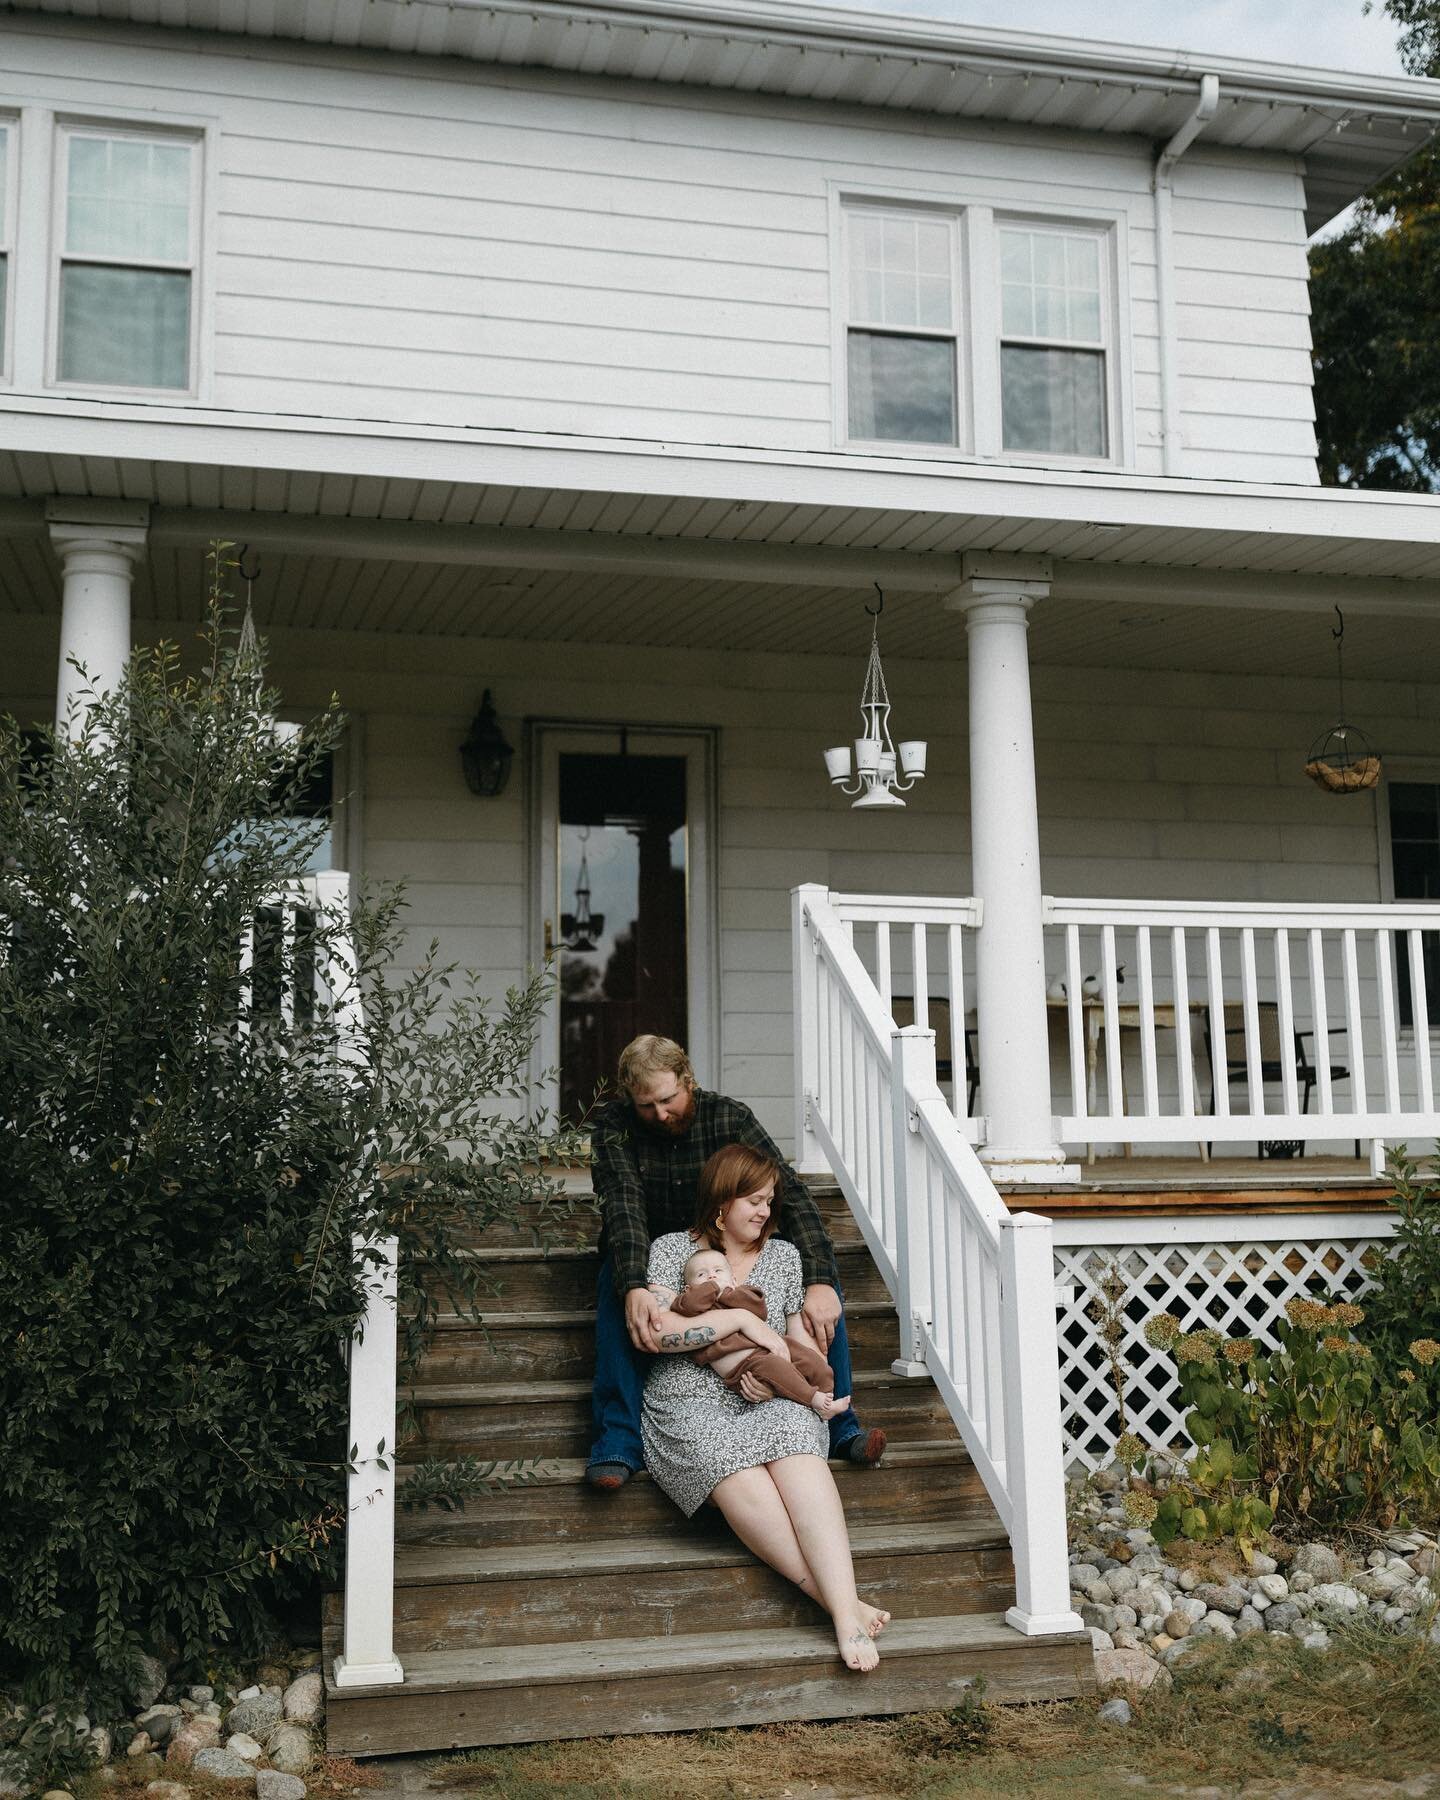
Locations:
(881, 774)
(581, 930)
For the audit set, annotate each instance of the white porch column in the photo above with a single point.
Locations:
(995, 597)
(98, 543)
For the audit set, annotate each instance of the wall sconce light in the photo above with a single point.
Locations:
(485, 755)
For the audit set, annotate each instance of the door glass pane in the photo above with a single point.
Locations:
(1053, 401)
(902, 388)
(126, 198)
(124, 327)
(622, 954)
(1415, 861)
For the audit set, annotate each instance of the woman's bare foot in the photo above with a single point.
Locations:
(828, 1405)
(873, 1618)
(856, 1649)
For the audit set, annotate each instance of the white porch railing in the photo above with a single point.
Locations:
(1233, 1274)
(279, 968)
(1225, 1004)
(972, 1283)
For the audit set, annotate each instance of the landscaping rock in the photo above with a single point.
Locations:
(1113, 1712)
(1176, 1624)
(1215, 1624)
(248, 1693)
(241, 1744)
(224, 1767)
(57, 1794)
(159, 1724)
(194, 1735)
(1100, 1640)
(275, 1784)
(139, 1744)
(304, 1699)
(1426, 1562)
(1249, 1622)
(255, 1715)
(1318, 1560)
(1100, 1618)
(1283, 1616)
(147, 1683)
(1082, 1573)
(1314, 1637)
(167, 1790)
(101, 1743)
(1337, 1596)
(202, 1696)
(1300, 1581)
(1187, 1581)
(1130, 1668)
(1260, 1564)
(1226, 1597)
(272, 1674)
(1273, 1587)
(288, 1748)
(305, 1659)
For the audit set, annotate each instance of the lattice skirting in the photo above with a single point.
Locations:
(1239, 1288)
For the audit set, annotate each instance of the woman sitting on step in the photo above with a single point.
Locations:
(762, 1461)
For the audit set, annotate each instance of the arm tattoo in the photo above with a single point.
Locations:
(692, 1339)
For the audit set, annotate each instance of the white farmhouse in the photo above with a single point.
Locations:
(606, 360)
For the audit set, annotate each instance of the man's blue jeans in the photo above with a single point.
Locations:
(620, 1379)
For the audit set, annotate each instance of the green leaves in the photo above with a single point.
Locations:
(181, 1195)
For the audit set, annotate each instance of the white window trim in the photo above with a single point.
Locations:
(198, 137)
(977, 314)
(1399, 768)
(9, 234)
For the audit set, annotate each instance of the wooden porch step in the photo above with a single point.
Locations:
(530, 1278)
(560, 1345)
(582, 1227)
(519, 1693)
(916, 1481)
(460, 1597)
(552, 1418)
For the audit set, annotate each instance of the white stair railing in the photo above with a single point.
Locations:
(1244, 1020)
(331, 980)
(973, 1285)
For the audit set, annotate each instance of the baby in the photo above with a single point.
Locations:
(804, 1376)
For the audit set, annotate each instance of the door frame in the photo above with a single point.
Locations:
(545, 738)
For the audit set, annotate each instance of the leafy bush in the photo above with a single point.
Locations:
(1318, 1433)
(1403, 1303)
(183, 1175)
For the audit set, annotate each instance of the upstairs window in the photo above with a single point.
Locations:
(1054, 348)
(127, 259)
(902, 327)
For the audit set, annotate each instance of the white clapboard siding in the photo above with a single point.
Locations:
(432, 243)
(1152, 784)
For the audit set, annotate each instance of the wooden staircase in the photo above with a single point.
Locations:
(551, 1611)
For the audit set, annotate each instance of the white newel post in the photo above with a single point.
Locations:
(912, 1070)
(1033, 1445)
(810, 1159)
(369, 1656)
(98, 544)
(1020, 1143)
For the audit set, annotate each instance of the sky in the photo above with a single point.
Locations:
(1320, 34)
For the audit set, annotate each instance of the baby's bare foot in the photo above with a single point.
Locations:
(873, 1618)
(829, 1406)
(856, 1650)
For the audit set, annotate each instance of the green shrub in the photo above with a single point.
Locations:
(177, 1288)
(1403, 1303)
(1317, 1434)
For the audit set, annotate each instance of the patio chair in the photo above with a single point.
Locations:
(1272, 1056)
(902, 1011)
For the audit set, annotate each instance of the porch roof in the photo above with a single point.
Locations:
(1350, 129)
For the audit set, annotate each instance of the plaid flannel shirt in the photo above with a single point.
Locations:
(646, 1182)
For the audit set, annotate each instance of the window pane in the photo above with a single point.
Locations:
(1050, 284)
(1413, 811)
(1053, 400)
(900, 271)
(127, 198)
(4, 178)
(4, 293)
(125, 327)
(902, 388)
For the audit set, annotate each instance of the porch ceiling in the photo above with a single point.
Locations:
(1071, 629)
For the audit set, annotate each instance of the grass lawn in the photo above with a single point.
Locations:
(1256, 1718)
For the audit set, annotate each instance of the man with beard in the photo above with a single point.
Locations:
(649, 1147)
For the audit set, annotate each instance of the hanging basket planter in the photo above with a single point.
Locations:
(1342, 760)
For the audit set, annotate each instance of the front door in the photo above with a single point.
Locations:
(623, 875)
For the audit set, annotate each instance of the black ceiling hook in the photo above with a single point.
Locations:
(875, 611)
(1337, 632)
(247, 574)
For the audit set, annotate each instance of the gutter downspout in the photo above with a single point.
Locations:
(1205, 106)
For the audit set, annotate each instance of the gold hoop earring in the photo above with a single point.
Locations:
(719, 1221)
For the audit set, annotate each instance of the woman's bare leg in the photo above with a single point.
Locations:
(757, 1515)
(812, 1500)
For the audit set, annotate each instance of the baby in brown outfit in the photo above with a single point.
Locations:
(804, 1377)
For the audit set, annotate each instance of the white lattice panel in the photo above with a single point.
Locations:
(1238, 1288)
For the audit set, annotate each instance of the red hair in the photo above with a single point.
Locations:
(733, 1170)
